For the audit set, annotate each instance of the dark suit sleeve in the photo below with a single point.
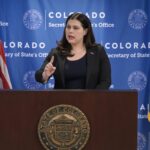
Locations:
(105, 70)
(38, 73)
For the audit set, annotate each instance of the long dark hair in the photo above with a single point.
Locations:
(89, 39)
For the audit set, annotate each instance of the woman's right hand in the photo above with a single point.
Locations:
(49, 69)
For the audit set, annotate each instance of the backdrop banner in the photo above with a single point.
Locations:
(30, 29)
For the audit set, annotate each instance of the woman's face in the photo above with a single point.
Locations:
(75, 32)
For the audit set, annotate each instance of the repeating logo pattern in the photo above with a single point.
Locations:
(29, 81)
(32, 19)
(137, 19)
(137, 80)
(141, 141)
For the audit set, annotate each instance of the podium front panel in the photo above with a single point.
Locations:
(112, 116)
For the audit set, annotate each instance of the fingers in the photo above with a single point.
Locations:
(50, 63)
(52, 60)
(49, 67)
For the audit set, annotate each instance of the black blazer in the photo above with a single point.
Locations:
(98, 69)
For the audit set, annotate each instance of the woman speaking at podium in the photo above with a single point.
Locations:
(77, 62)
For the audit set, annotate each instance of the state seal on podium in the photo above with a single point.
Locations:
(63, 127)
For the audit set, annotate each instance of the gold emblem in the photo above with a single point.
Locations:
(149, 116)
(63, 127)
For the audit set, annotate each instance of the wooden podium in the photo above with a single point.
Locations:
(112, 116)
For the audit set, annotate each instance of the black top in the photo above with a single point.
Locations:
(75, 73)
(98, 68)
